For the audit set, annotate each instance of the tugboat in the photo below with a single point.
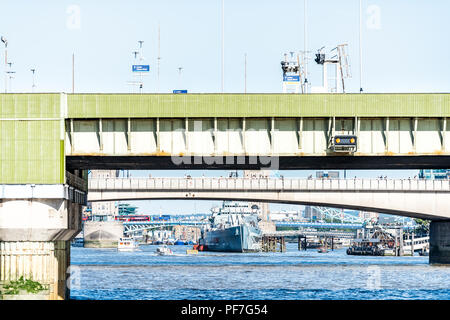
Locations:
(233, 228)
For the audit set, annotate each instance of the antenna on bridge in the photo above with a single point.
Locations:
(340, 61)
(293, 70)
(33, 70)
(360, 47)
(245, 73)
(159, 51)
(73, 72)
(305, 47)
(139, 70)
(223, 46)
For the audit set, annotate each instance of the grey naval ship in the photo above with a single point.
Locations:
(233, 228)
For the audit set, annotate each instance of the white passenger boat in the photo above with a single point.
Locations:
(127, 244)
(164, 251)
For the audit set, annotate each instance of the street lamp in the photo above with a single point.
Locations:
(34, 85)
(179, 76)
(10, 75)
(3, 39)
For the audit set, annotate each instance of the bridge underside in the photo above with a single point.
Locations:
(431, 205)
(255, 162)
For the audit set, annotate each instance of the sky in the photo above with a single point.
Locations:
(404, 43)
(404, 46)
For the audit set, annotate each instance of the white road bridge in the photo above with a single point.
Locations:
(426, 199)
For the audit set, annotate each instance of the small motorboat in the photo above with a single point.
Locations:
(164, 251)
(322, 250)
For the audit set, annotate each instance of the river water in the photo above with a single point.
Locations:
(294, 275)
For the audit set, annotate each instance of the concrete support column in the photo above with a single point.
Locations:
(282, 245)
(440, 242)
(37, 223)
(43, 261)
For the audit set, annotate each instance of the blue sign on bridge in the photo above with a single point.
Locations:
(291, 78)
(141, 68)
(179, 91)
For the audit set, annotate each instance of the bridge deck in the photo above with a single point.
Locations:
(425, 199)
(270, 185)
(298, 233)
(42, 135)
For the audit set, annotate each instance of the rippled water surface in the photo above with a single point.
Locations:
(109, 274)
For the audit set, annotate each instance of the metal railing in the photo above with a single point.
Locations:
(269, 184)
(76, 182)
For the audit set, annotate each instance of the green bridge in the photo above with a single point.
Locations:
(48, 141)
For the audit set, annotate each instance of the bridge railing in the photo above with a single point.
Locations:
(286, 184)
(77, 182)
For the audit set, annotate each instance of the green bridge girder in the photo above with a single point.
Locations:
(33, 126)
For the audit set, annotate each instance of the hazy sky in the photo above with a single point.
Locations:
(405, 48)
(405, 42)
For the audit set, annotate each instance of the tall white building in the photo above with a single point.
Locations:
(264, 206)
(104, 208)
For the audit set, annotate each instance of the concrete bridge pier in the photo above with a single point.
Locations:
(440, 242)
(35, 236)
(43, 261)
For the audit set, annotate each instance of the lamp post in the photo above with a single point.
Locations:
(305, 44)
(10, 75)
(3, 39)
(179, 76)
(245, 73)
(141, 84)
(34, 85)
(223, 46)
(360, 48)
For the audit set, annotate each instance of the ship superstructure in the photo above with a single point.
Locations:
(233, 228)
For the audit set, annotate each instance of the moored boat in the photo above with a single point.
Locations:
(234, 228)
(127, 244)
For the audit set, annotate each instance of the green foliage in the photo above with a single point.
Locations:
(423, 226)
(14, 287)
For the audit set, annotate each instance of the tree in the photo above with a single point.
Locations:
(423, 226)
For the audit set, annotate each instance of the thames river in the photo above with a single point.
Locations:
(294, 275)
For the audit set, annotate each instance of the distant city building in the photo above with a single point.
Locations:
(124, 209)
(160, 235)
(104, 208)
(327, 174)
(311, 213)
(187, 233)
(435, 174)
(264, 206)
(285, 216)
(369, 216)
